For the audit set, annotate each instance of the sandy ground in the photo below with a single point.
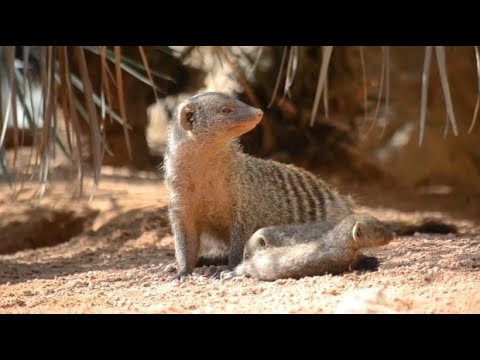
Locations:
(119, 262)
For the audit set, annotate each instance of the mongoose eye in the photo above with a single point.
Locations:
(226, 110)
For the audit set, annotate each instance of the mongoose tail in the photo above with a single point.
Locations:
(426, 226)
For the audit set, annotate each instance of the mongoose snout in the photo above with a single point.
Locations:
(247, 114)
(371, 232)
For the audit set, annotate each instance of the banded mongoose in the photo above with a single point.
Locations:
(220, 193)
(335, 252)
(285, 235)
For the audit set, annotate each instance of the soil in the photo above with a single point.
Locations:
(120, 258)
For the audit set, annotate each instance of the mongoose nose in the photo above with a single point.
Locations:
(259, 113)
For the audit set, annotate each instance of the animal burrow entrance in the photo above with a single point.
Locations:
(36, 227)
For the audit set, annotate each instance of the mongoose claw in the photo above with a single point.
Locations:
(226, 275)
(181, 276)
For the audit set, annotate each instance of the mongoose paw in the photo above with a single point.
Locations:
(181, 276)
(227, 274)
(240, 270)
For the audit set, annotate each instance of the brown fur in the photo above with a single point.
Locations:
(333, 252)
(219, 193)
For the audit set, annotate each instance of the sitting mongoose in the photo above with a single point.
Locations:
(285, 235)
(220, 193)
(335, 252)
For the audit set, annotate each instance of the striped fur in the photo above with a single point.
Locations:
(216, 190)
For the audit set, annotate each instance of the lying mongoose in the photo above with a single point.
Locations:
(334, 252)
(285, 235)
(220, 193)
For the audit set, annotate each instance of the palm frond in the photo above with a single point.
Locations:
(130, 66)
(149, 71)
(364, 81)
(425, 81)
(291, 69)
(322, 77)
(91, 107)
(442, 68)
(121, 98)
(477, 104)
(93, 121)
(387, 86)
(279, 77)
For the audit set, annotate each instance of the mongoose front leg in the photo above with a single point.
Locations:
(187, 245)
(239, 237)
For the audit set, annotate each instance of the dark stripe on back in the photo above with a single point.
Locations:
(302, 178)
(330, 194)
(301, 211)
(312, 183)
(335, 203)
(317, 189)
(282, 181)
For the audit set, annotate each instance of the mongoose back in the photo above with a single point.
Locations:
(285, 235)
(220, 193)
(333, 252)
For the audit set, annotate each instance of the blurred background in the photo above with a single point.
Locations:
(95, 117)
(366, 119)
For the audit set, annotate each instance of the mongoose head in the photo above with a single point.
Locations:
(368, 231)
(215, 114)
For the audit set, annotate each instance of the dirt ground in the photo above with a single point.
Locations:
(118, 259)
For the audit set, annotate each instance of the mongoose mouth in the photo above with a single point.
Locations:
(247, 123)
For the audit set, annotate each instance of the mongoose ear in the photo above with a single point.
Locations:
(357, 231)
(262, 242)
(186, 117)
